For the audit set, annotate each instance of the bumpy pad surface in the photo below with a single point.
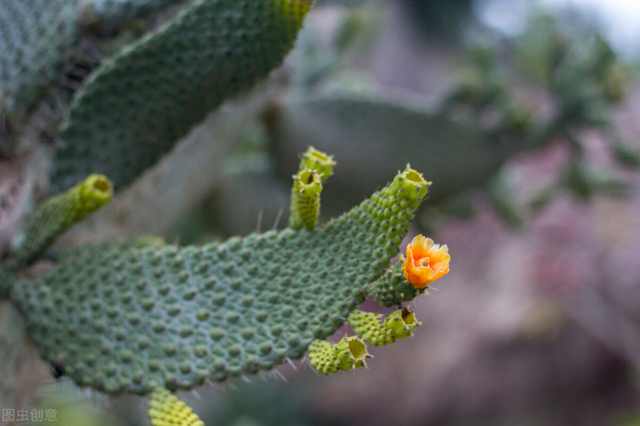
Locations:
(165, 409)
(35, 38)
(136, 106)
(131, 319)
(374, 138)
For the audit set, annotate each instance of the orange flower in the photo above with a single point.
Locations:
(426, 262)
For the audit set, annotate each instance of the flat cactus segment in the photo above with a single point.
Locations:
(372, 328)
(137, 105)
(35, 38)
(305, 200)
(130, 320)
(373, 137)
(349, 353)
(165, 409)
(58, 213)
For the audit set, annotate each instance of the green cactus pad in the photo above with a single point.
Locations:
(392, 289)
(374, 137)
(378, 332)
(35, 38)
(349, 353)
(305, 200)
(58, 213)
(165, 409)
(136, 106)
(129, 320)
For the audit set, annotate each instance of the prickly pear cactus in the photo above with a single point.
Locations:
(128, 320)
(135, 107)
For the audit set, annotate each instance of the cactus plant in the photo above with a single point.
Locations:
(144, 317)
(151, 318)
(132, 319)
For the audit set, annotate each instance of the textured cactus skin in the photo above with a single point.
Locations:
(58, 213)
(165, 409)
(349, 353)
(113, 12)
(35, 38)
(305, 200)
(374, 137)
(135, 107)
(378, 332)
(392, 289)
(128, 320)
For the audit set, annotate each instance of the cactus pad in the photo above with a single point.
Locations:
(373, 137)
(128, 320)
(136, 106)
(35, 38)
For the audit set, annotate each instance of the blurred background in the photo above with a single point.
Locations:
(525, 116)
